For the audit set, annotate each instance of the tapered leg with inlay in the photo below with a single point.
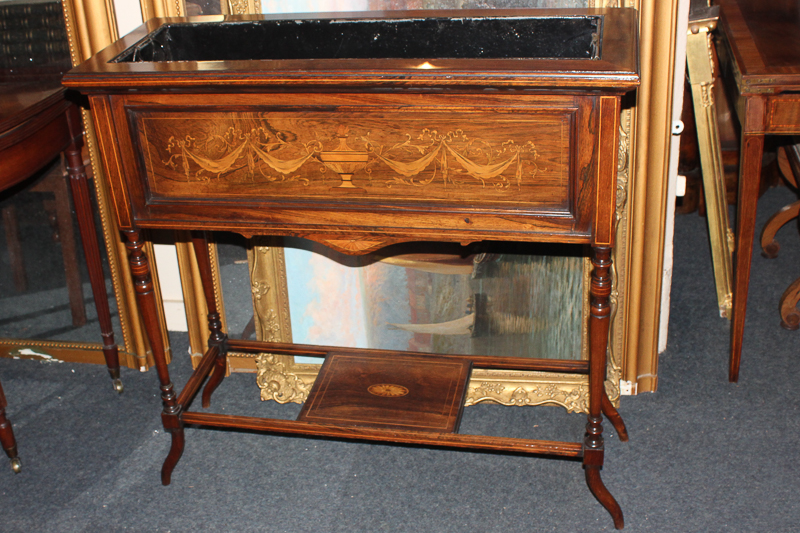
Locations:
(749, 181)
(599, 321)
(217, 337)
(145, 297)
(94, 264)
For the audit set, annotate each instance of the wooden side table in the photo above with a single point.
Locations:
(429, 126)
(760, 58)
(36, 124)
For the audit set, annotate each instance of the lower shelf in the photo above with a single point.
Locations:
(397, 391)
(370, 395)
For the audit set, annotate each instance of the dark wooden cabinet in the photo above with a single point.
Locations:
(358, 150)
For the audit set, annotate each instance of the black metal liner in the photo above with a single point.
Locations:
(425, 38)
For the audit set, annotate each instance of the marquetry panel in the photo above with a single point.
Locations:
(315, 162)
(515, 159)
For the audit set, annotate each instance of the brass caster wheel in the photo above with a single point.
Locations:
(16, 465)
(118, 385)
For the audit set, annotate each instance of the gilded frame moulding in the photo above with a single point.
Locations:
(283, 380)
(242, 7)
(700, 67)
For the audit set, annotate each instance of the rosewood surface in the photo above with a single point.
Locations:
(760, 59)
(358, 153)
(406, 392)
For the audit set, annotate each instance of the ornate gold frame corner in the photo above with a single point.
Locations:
(241, 7)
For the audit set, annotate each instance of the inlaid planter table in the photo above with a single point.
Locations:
(359, 131)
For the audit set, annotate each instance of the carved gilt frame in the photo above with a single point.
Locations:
(700, 66)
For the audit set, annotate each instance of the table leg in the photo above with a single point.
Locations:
(614, 417)
(91, 250)
(769, 245)
(790, 316)
(599, 322)
(217, 337)
(7, 439)
(145, 297)
(749, 179)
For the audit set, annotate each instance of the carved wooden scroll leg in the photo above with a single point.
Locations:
(749, 180)
(769, 246)
(599, 321)
(790, 315)
(94, 263)
(217, 337)
(145, 297)
(602, 494)
(615, 418)
(175, 427)
(7, 439)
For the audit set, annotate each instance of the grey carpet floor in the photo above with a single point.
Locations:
(704, 455)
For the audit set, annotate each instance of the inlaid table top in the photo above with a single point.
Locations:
(765, 42)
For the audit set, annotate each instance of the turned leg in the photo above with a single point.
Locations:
(593, 445)
(217, 337)
(174, 426)
(7, 439)
(91, 249)
(145, 297)
(749, 179)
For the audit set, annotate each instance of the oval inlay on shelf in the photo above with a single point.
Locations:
(388, 390)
